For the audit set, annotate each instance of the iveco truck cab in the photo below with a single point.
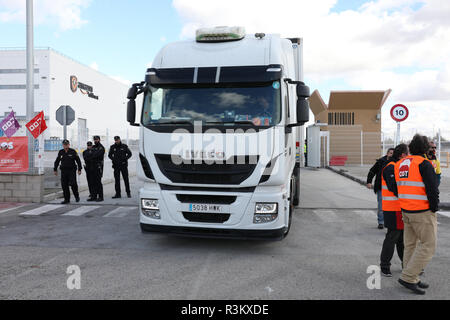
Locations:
(220, 135)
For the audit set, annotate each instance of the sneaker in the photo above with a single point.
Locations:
(381, 226)
(386, 272)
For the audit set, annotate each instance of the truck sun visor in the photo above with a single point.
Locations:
(210, 75)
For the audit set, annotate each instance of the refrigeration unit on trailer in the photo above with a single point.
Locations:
(220, 135)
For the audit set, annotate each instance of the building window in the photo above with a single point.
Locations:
(15, 86)
(341, 118)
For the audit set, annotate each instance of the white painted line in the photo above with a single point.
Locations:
(81, 211)
(368, 214)
(444, 213)
(41, 210)
(13, 208)
(326, 215)
(120, 212)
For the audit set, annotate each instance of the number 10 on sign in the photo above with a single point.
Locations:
(399, 113)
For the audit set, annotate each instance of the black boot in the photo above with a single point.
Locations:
(117, 196)
(414, 287)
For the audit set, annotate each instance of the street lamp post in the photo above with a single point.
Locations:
(30, 83)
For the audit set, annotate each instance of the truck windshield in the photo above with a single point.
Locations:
(255, 105)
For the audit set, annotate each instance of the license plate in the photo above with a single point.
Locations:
(209, 208)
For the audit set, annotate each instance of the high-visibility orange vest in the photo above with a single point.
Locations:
(410, 186)
(389, 201)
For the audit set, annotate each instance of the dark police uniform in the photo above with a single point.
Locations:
(88, 156)
(119, 154)
(98, 162)
(68, 162)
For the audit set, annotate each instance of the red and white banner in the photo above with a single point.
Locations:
(13, 154)
(37, 125)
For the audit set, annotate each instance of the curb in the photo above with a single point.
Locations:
(442, 205)
(361, 182)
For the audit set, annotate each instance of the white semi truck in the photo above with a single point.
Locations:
(220, 135)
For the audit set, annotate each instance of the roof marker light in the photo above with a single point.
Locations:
(219, 34)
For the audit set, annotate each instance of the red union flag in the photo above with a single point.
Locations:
(37, 125)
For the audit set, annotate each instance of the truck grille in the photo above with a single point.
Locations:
(216, 173)
(206, 217)
(201, 198)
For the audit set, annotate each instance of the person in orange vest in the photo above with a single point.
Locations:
(392, 212)
(419, 199)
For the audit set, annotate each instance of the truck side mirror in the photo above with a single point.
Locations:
(302, 111)
(302, 91)
(131, 112)
(132, 92)
(303, 94)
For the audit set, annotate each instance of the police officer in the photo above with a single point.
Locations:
(89, 167)
(70, 162)
(98, 158)
(119, 153)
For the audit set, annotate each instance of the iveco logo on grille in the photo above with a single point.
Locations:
(205, 155)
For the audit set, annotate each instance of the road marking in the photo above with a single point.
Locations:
(81, 211)
(120, 212)
(366, 214)
(13, 208)
(445, 214)
(326, 215)
(41, 210)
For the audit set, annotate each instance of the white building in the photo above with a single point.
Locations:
(99, 101)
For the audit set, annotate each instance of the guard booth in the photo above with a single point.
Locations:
(318, 152)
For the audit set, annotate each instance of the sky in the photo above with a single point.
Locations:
(403, 45)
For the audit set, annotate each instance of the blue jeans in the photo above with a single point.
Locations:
(380, 208)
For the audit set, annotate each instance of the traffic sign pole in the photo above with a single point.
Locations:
(399, 113)
(65, 122)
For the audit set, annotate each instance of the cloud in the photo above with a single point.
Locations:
(403, 45)
(65, 13)
(94, 65)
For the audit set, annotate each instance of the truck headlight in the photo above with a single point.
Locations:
(150, 204)
(150, 208)
(265, 212)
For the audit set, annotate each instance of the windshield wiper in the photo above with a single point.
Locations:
(175, 122)
(232, 121)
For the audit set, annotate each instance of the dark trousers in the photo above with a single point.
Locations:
(97, 180)
(394, 238)
(90, 181)
(124, 171)
(69, 178)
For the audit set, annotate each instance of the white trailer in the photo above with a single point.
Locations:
(220, 135)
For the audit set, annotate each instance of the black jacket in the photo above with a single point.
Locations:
(119, 154)
(98, 154)
(68, 160)
(89, 161)
(375, 171)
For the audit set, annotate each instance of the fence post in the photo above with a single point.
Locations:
(439, 145)
(362, 148)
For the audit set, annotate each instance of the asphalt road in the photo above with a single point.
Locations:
(332, 242)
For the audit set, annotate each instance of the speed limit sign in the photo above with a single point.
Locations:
(399, 112)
